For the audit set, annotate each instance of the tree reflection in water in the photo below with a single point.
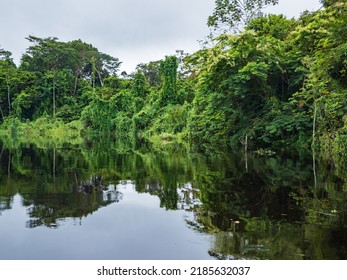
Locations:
(48, 209)
(273, 209)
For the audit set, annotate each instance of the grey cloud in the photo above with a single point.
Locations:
(107, 24)
(135, 29)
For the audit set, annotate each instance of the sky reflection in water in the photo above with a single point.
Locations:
(133, 228)
(74, 202)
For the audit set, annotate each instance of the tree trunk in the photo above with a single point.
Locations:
(314, 125)
(8, 96)
(313, 144)
(101, 83)
(2, 113)
(314, 169)
(75, 85)
(246, 148)
(53, 97)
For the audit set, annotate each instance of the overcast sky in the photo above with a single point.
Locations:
(134, 31)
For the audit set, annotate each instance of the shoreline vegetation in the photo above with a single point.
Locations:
(41, 132)
(278, 84)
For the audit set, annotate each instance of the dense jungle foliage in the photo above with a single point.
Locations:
(278, 83)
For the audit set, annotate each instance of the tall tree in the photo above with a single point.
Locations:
(151, 71)
(60, 66)
(168, 69)
(235, 14)
(83, 54)
(47, 57)
(7, 74)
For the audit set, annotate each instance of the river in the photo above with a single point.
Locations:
(104, 201)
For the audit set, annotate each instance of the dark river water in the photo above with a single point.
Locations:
(102, 201)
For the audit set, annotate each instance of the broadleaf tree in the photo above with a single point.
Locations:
(233, 15)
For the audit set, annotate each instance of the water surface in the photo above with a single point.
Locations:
(102, 201)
